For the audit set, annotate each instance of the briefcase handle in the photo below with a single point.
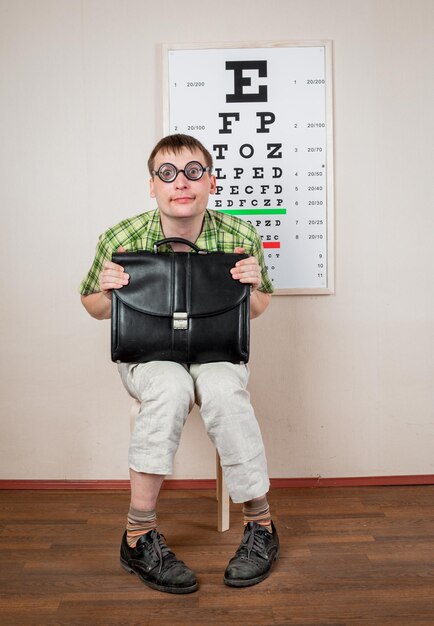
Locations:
(178, 240)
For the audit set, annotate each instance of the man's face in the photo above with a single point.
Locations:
(182, 198)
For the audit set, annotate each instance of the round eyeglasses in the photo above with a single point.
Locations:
(168, 172)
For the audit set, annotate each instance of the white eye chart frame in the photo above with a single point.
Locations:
(264, 111)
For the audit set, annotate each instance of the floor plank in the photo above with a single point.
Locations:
(350, 557)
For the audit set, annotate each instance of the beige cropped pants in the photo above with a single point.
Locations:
(167, 392)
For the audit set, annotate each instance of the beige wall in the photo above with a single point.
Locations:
(343, 384)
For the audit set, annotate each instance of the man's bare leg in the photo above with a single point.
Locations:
(145, 489)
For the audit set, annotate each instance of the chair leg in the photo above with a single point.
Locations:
(222, 498)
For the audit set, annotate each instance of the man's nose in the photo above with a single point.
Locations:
(181, 180)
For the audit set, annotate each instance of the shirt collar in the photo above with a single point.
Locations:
(207, 239)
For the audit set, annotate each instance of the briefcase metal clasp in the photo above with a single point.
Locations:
(180, 321)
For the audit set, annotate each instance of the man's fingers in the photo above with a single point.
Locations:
(109, 265)
(112, 271)
(110, 286)
(247, 265)
(112, 277)
(247, 271)
(115, 278)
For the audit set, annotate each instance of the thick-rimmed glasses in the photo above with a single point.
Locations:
(168, 172)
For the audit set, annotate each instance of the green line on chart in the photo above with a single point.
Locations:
(253, 211)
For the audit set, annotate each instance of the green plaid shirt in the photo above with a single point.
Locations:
(220, 233)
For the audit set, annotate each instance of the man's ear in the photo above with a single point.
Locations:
(213, 184)
(151, 188)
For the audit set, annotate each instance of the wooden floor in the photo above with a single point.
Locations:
(350, 556)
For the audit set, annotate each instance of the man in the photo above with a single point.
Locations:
(181, 181)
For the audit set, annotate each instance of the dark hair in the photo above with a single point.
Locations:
(177, 143)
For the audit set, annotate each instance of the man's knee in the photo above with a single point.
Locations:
(219, 384)
(165, 382)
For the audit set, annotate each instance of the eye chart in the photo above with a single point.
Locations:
(265, 114)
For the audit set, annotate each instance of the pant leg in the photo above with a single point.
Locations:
(165, 391)
(232, 426)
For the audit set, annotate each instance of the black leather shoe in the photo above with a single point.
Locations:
(254, 558)
(156, 565)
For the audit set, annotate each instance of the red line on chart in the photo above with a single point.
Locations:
(271, 244)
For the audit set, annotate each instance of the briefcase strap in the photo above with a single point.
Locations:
(178, 240)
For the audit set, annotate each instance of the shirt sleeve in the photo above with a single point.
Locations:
(266, 285)
(90, 283)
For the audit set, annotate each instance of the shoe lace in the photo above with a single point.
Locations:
(159, 548)
(253, 540)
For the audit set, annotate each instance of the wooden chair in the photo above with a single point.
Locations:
(222, 492)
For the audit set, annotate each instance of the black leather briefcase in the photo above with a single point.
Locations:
(180, 306)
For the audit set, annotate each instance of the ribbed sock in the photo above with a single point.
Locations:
(257, 511)
(139, 523)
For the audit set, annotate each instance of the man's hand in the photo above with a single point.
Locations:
(99, 304)
(247, 270)
(112, 277)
